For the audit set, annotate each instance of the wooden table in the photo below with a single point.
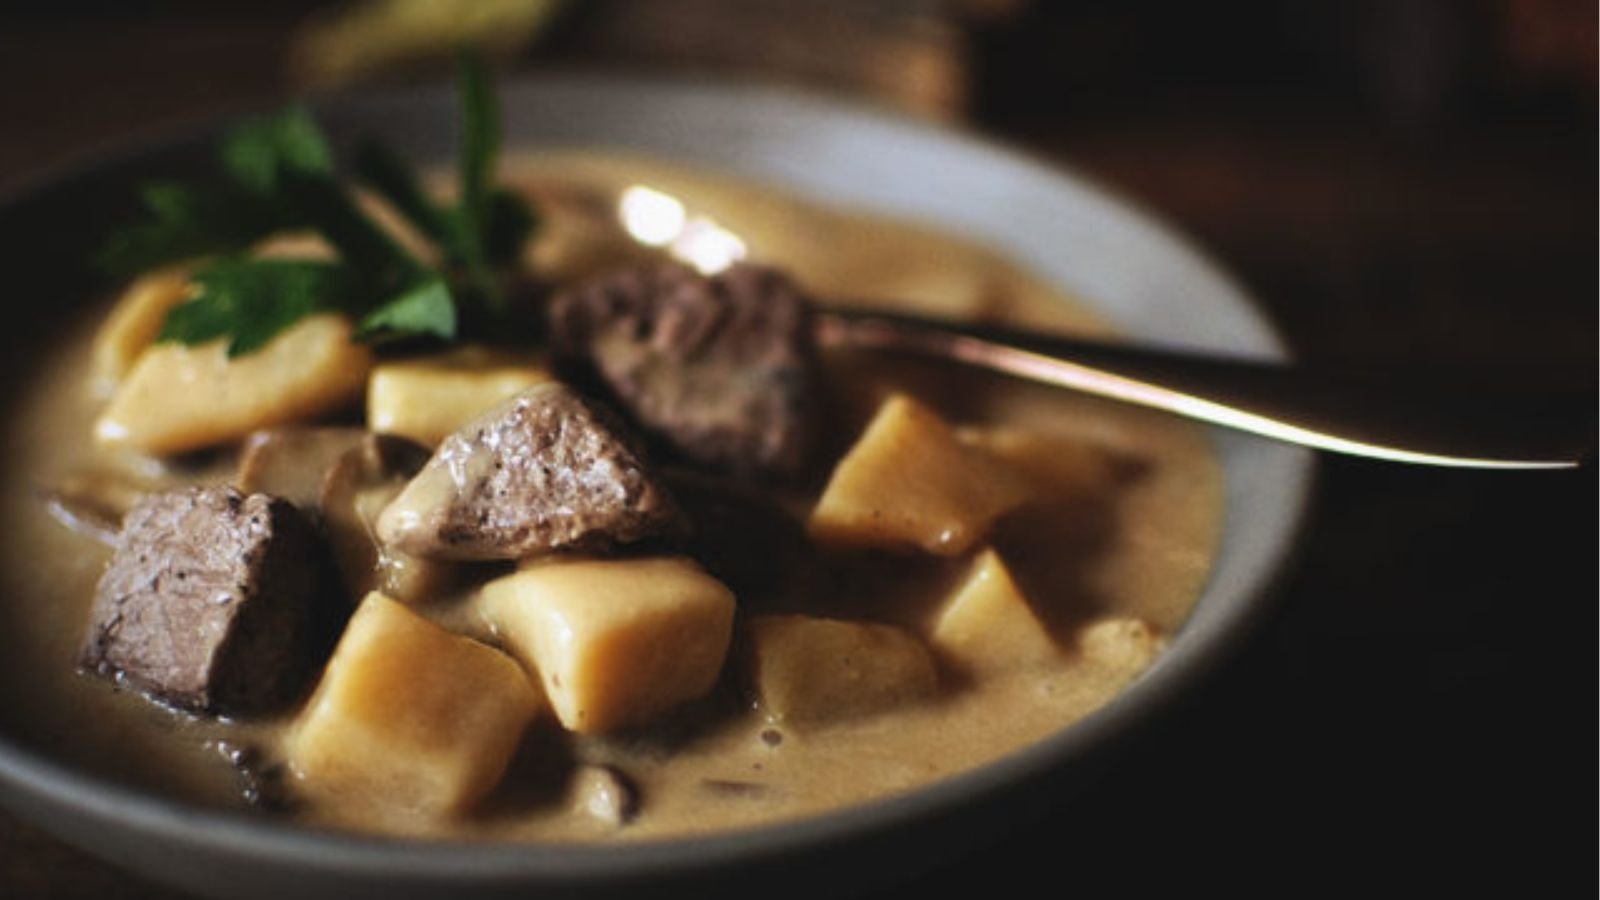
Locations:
(1414, 712)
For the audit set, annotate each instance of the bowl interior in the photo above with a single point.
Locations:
(1132, 269)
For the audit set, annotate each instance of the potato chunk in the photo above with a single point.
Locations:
(179, 398)
(411, 715)
(1057, 468)
(1121, 643)
(810, 670)
(133, 324)
(429, 398)
(615, 641)
(910, 483)
(987, 627)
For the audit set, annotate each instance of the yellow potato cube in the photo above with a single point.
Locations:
(1057, 468)
(179, 398)
(987, 627)
(410, 715)
(133, 324)
(1122, 643)
(811, 670)
(615, 641)
(428, 399)
(910, 483)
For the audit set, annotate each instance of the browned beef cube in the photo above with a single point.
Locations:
(721, 369)
(546, 470)
(207, 601)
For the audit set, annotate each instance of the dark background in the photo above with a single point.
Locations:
(1403, 185)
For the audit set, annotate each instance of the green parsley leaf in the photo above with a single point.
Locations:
(250, 301)
(258, 152)
(480, 138)
(511, 223)
(187, 220)
(480, 145)
(277, 173)
(366, 248)
(385, 172)
(184, 222)
(510, 220)
(426, 309)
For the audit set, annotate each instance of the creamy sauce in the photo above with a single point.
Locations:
(1139, 549)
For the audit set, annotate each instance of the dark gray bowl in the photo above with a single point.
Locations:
(1142, 276)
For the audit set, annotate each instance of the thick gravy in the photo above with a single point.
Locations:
(1138, 549)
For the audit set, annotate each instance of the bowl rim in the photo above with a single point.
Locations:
(34, 780)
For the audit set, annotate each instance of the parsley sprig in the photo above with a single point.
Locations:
(277, 174)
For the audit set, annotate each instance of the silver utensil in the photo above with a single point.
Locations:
(1448, 422)
(1445, 422)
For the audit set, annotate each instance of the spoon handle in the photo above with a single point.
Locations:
(1441, 423)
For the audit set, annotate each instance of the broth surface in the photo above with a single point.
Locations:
(1142, 549)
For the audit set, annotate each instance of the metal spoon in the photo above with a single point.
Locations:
(1445, 422)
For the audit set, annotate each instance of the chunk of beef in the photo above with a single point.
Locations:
(721, 369)
(207, 601)
(546, 470)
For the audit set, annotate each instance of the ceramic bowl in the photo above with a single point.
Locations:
(1138, 273)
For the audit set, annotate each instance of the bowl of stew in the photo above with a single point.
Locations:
(965, 591)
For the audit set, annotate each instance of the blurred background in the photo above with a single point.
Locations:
(1405, 183)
